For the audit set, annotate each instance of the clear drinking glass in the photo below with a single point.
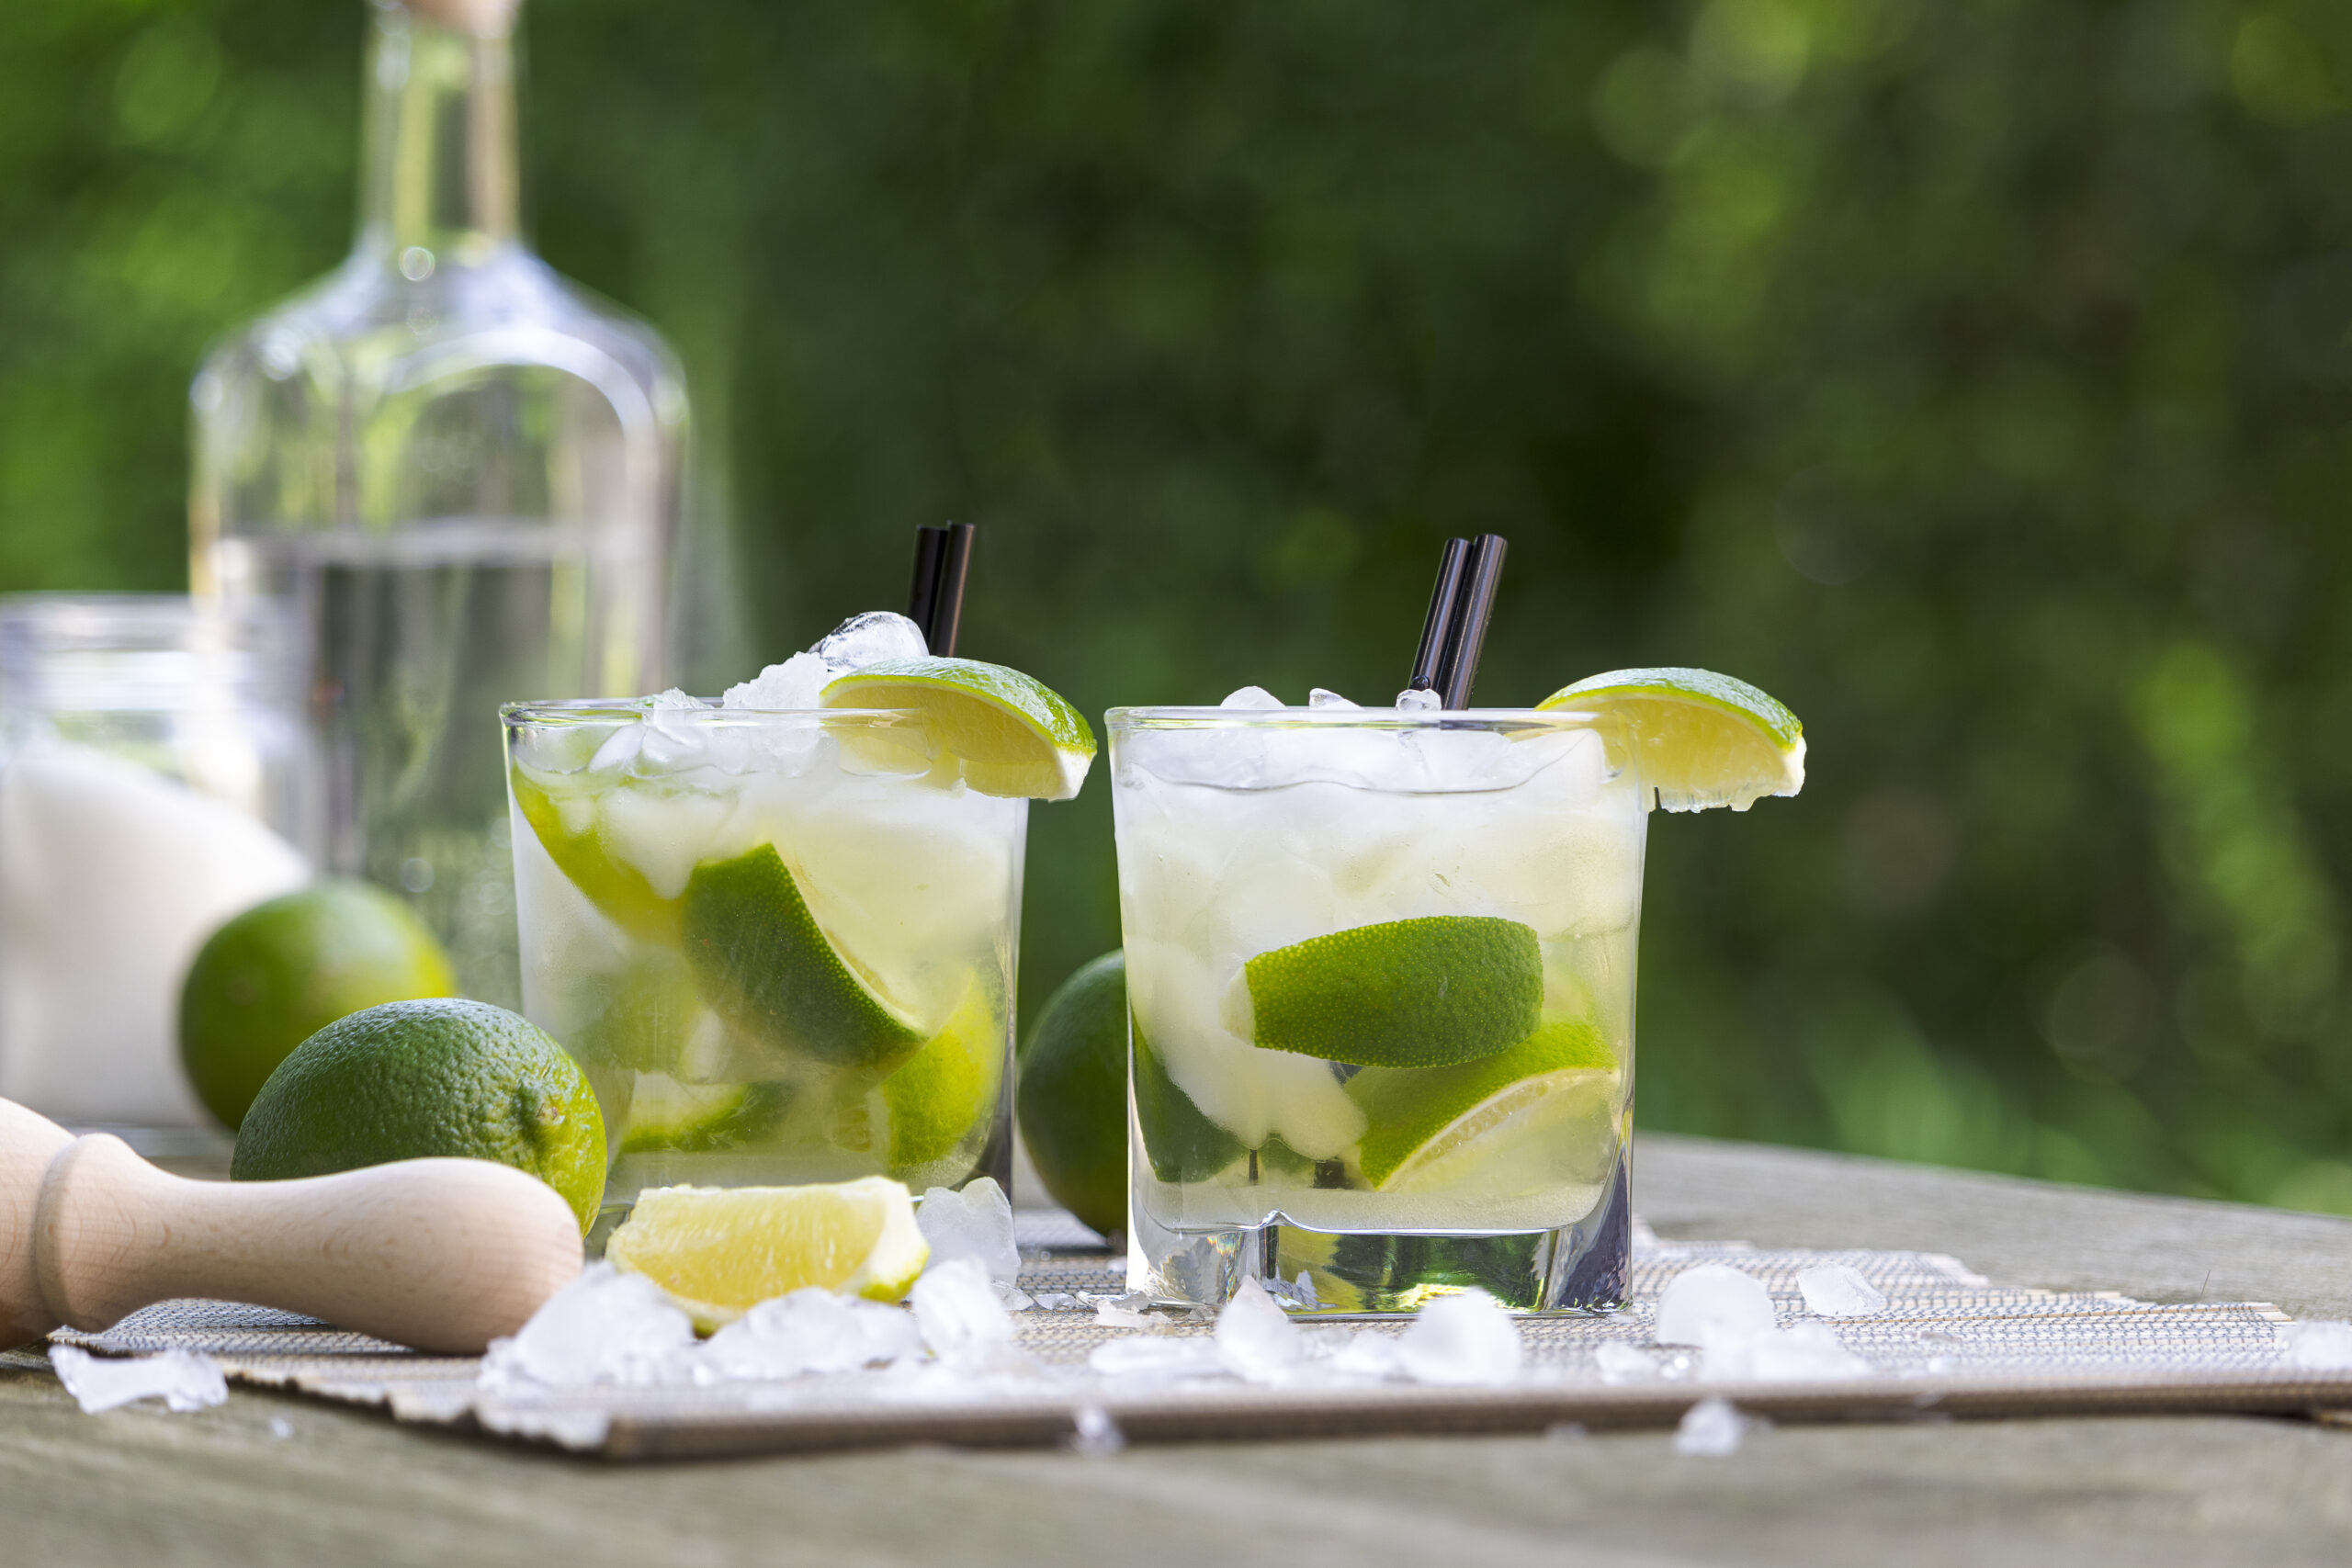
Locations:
(780, 947)
(461, 470)
(1380, 977)
(154, 781)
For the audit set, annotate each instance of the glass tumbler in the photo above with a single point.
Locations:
(782, 948)
(1380, 977)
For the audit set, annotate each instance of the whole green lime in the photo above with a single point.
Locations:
(285, 969)
(1072, 1099)
(415, 1079)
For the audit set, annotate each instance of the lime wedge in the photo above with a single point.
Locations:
(1551, 1101)
(719, 1251)
(666, 1116)
(570, 826)
(1705, 739)
(951, 1085)
(1417, 993)
(767, 967)
(1182, 1143)
(1013, 735)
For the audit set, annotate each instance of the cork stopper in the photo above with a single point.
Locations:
(483, 19)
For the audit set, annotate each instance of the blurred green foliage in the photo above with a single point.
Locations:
(1971, 373)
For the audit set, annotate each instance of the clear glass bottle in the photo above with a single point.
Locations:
(463, 472)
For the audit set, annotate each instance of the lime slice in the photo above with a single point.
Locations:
(666, 1116)
(1705, 739)
(570, 826)
(1014, 736)
(1182, 1143)
(951, 1085)
(1544, 1109)
(767, 967)
(1417, 993)
(719, 1251)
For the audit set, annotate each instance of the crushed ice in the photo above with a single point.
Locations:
(2323, 1347)
(976, 1223)
(1713, 1428)
(183, 1380)
(1838, 1289)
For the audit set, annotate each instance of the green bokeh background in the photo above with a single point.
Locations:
(1971, 373)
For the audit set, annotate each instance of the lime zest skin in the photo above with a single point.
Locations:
(1179, 1140)
(1015, 736)
(1416, 993)
(767, 967)
(1704, 740)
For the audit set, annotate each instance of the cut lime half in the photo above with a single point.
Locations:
(1543, 1112)
(1014, 736)
(1704, 740)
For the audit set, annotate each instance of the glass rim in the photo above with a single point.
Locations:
(587, 710)
(1180, 717)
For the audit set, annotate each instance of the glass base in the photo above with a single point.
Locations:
(1576, 1268)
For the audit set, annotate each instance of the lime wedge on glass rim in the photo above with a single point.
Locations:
(1014, 736)
(1704, 740)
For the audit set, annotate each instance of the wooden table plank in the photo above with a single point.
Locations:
(348, 1488)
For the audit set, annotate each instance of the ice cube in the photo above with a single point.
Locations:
(1620, 1362)
(1156, 1359)
(1713, 1304)
(976, 1223)
(788, 687)
(604, 1327)
(1056, 1301)
(674, 699)
(1125, 1312)
(1251, 698)
(1461, 1339)
(1413, 699)
(1810, 1352)
(959, 1315)
(1257, 1340)
(1320, 698)
(280, 1427)
(1838, 1289)
(1096, 1433)
(1368, 1354)
(875, 637)
(1713, 1429)
(2322, 1347)
(810, 1330)
(183, 1380)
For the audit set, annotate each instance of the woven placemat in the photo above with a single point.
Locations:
(1950, 1344)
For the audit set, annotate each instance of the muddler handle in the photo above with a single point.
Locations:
(439, 1253)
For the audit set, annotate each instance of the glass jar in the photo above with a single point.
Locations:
(154, 781)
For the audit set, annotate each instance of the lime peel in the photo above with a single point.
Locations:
(1440, 1119)
(1416, 993)
(1704, 740)
(1014, 736)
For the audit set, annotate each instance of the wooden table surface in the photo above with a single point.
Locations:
(266, 1480)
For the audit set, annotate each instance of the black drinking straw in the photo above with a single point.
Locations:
(936, 598)
(1437, 627)
(1467, 633)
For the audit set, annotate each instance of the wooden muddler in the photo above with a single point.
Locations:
(443, 1255)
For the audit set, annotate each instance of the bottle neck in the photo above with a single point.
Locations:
(440, 174)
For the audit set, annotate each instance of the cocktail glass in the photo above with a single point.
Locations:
(1380, 975)
(781, 944)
